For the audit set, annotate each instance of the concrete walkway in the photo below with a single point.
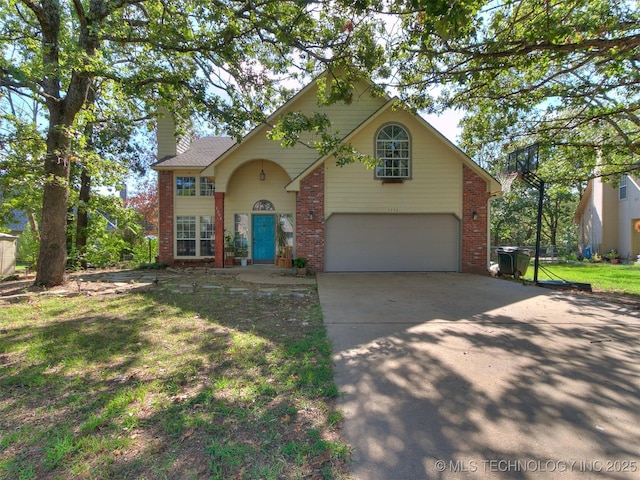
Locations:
(461, 376)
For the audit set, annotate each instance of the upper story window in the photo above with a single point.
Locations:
(393, 152)
(186, 186)
(622, 188)
(207, 187)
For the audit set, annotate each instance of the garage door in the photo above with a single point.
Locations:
(392, 243)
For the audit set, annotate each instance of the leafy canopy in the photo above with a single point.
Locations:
(562, 73)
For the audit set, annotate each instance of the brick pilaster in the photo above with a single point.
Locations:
(165, 214)
(475, 198)
(310, 232)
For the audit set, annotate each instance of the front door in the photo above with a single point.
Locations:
(264, 238)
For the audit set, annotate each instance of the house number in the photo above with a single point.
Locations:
(393, 210)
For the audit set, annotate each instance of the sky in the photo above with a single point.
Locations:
(446, 123)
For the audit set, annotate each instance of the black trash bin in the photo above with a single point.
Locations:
(513, 260)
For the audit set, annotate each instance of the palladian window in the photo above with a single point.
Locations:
(393, 152)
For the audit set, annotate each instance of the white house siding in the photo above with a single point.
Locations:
(610, 222)
(628, 215)
(606, 222)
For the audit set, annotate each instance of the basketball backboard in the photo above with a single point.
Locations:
(523, 160)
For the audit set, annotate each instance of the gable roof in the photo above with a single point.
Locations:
(201, 153)
(207, 162)
(276, 114)
(493, 186)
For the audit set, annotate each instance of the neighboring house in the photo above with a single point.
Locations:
(425, 208)
(608, 217)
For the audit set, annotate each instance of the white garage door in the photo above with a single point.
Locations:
(392, 243)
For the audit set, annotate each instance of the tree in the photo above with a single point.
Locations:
(564, 73)
(145, 202)
(221, 58)
(21, 172)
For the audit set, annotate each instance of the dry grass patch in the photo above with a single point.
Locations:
(215, 380)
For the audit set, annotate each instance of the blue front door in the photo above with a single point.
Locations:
(264, 238)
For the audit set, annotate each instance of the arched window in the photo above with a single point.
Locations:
(393, 152)
(264, 205)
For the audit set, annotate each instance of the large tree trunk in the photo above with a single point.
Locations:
(52, 259)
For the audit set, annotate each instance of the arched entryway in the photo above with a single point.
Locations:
(258, 209)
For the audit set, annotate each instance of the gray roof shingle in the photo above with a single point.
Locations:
(201, 153)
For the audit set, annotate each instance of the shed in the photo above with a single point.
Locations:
(7, 254)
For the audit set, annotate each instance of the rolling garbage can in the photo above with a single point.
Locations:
(513, 260)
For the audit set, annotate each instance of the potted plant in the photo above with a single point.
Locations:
(241, 249)
(300, 264)
(229, 249)
(612, 256)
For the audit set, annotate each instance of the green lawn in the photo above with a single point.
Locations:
(602, 276)
(172, 381)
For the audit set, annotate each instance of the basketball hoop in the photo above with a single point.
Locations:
(506, 179)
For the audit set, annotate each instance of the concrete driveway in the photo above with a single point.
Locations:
(464, 376)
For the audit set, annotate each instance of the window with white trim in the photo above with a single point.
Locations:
(186, 186)
(241, 234)
(207, 187)
(207, 236)
(393, 152)
(622, 188)
(186, 236)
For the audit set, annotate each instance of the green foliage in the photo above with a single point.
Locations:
(114, 234)
(144, 250)
(514, 216)
(300, 262)
(98, 73)
(563, 74)
(28, 247)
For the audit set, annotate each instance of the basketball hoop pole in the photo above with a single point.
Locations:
(536, 261)
(524, 162)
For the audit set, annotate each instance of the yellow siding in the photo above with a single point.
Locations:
(435, 184)
(192, 205)
(245, 189)
(294, 160)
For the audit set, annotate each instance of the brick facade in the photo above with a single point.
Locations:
(475, 198)
(218, 261)
(165, 213)
(310, 231)
(310, 222)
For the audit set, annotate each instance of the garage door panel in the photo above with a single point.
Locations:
(392, 243)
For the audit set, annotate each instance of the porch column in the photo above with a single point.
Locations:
(165, 214)
(219, 229)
